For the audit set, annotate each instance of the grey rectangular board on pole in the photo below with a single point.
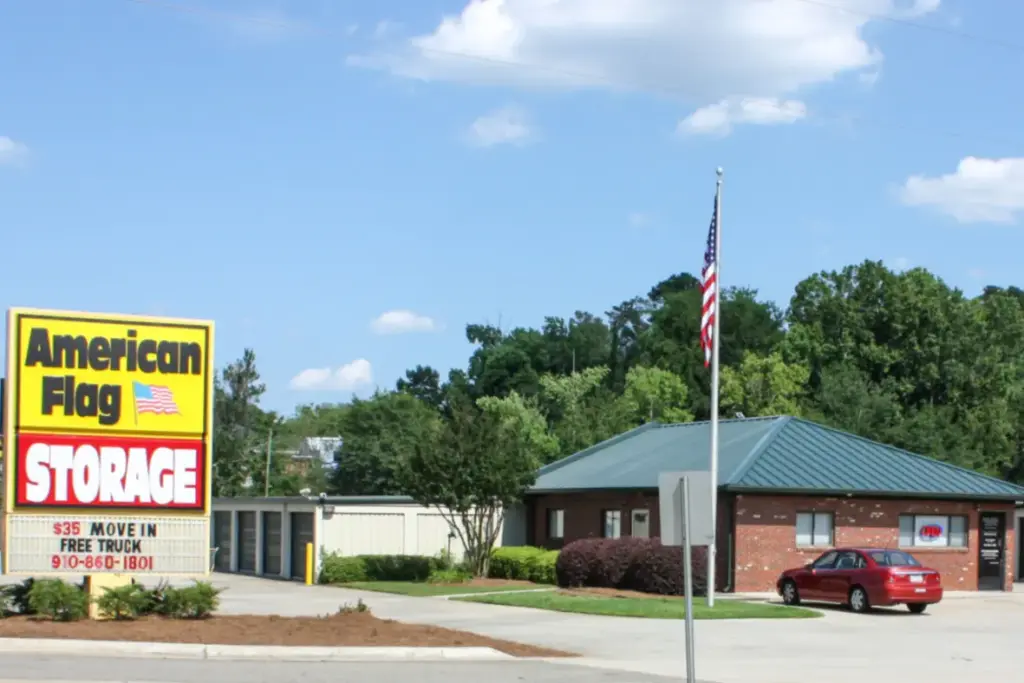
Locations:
(669, 505)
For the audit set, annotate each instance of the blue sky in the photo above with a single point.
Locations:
(295, 169)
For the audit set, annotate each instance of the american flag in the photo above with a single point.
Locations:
(154, 398)
(709, 289)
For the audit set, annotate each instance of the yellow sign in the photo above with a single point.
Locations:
(85, 373)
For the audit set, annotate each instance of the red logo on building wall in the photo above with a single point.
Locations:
(930, 532)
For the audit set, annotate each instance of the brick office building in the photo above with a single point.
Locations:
(789, 489)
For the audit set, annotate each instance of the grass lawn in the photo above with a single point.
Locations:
(652, 608)
(424, 589)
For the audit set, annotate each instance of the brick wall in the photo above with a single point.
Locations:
(766, 536)
(584, 519)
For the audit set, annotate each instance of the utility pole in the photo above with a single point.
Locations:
(266, 481)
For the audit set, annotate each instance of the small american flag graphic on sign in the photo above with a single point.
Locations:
(154, 398)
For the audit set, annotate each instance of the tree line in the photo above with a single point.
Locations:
(898, 357)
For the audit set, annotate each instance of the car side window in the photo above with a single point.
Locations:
(861, 562)
(848, 560)
(826, 561)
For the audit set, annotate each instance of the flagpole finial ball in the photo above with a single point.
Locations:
(719, 171)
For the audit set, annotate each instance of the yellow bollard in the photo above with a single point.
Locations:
(309, 564)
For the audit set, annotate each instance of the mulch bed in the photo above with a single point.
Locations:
(616, 593)
(498, 583)
(339, 630)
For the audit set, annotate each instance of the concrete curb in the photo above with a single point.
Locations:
(113, 648)
(463, 596)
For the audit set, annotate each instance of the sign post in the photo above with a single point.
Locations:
(684, 515)
(108, 441)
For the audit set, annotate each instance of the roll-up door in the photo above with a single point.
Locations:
(247, 541)
(222, 541)
(272, 543)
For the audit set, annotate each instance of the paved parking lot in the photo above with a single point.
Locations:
(960, 638)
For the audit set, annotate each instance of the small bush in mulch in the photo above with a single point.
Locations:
(635, 564)
(125, 602)
(58, 601)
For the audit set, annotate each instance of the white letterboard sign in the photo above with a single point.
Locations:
(107, 545)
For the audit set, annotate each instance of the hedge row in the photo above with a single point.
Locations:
(57, 600)
(523, 563)
(340, 569)
(638, 564)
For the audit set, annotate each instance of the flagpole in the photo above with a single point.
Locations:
(715, 337)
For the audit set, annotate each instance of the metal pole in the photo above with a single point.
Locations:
(715, 339)
(266, 482)
(684, 503)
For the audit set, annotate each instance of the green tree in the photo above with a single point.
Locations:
(378, 434)
(240, 427)
(515, 411)
(763, 385)
(655, 394)
(473, 469)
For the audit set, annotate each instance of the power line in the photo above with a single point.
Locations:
(902, 21)
(597, 79)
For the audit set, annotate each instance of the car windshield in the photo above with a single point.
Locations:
(894, 558)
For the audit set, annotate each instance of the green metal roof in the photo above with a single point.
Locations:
(768, 454)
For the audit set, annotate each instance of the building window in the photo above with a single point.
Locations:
(933, 531)
(556, 523)
(612, 523)
(814, 529)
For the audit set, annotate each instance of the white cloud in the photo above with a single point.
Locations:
(402, 321)
(979, 191)
(509, 125)
(11, 151)
(718, 119)
(900, 263)
(703, 50)
(354, 375)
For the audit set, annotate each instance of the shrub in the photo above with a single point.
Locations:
(512, 562)
(57, 600)
(124, 602)
(449, 576)
(358, 608)
(197, 601)
(577, 561)
(338, 569)
(614, 558)
(660, 570)
(397, 567)
(541, 568)
(14, 598)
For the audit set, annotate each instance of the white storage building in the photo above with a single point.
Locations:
(268, 536)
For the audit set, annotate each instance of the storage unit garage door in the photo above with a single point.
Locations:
(222, 541)
(272, 543)
(302, 533)
(247, 541)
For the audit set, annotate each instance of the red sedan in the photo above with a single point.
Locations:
(863, 578)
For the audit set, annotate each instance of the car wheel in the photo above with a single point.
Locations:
(790, 595)
(917, 608)
(859, 600)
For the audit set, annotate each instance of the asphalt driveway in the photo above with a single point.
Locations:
(963, 638)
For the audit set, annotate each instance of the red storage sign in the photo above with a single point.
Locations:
(99, 472)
